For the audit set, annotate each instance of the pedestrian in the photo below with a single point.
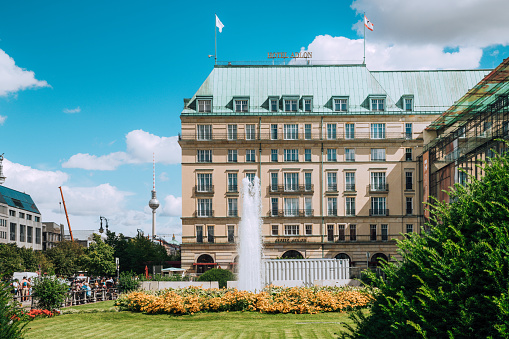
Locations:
(24, 289)
(15, 287)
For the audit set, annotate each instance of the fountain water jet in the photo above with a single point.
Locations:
(250, 237)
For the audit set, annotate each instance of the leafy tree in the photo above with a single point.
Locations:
(11, 260)
(453, 282)
(219, 275)
(50, 292)
(10, 312)
(128, 281)
(65, 257)
(98, 259)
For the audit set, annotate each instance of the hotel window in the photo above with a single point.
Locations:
(273, 181)
(378, 154)
(232, 207)
(273, 155)
(291, 207)
(291, 182)
(377, 104)
(29, 217)
(22, 229)
(377, 131)
(204, 105)
(409, 180)
(232, 182)
(273, 131)
(462, 178)
(204, 182)
(37, 235)
(409, 205)
(231, 233)
(250, 132)
(408, 154)
(204, 132)
(330, 233)
(12, 232)
(30, 231)
(332, 207)
(291, 131)
(250, 177)
(308, 104)
(408, 131)
(307, 181)
(385, 232)
(274, 207)
(350, 207)
(331, 131)
(309, 229)
(232, 132)
(372, 232)
(350, 181)
(349, 131)
(37, 219)
(331, 154)
(210, 234)
(250, 155)
(12, 213)
(21, 215)
(378, 206)
(290, 105)
(291, 229)
(409, 104)
(307, 131)
(199, 234)
(307, 155)
(340, 105)
(291, 155)
(353, 232)
(332, 184)
(204, 207)
(275, 229)
(241, 105)
(409, 228)
(274, 104)
(308, 210)
(341, 232)
(349, 154)
(378, 181)
(204, 155)
(232, 155)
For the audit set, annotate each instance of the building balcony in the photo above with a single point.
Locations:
(233, 189)
(332, 188)
(363, 237)
(204, 189)
(291, 213)
(332, 212)
(350, 188)
(292, 189)
(378, 212)
(378, 188)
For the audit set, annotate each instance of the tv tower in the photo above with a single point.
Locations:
(153, 203)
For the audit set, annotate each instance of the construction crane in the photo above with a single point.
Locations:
(66, 215)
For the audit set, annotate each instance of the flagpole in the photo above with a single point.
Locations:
(215, 39)
(364, 59)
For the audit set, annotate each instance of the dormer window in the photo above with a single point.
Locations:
(204, 105)
(307, 104)
(409, 104)
(274, 104)
(241, 105)
(377, 103)
(291, 104)
(340, 104)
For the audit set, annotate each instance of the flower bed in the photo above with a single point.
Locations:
(32, 314)
(270, 300)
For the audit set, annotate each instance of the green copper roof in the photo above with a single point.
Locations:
(432, 91)
(17, 199)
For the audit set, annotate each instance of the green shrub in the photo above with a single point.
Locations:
(127, 281)
(49, 292)
(219, 275)
(453, 281)
(12, 321)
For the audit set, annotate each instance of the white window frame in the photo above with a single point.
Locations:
(291, 207)
(350, 131)
(304, 104)
(250, 155)
(291, 131)
(332, 131)
(204, 207)
(378, 154)
(332, 155)
(204, 155)
(291, 155)
(233, 155)
(350, 206)
(250, 131)
(377, 104)
(232, 132)
(377, 131)
(204, 105)
(271, 107)
(204, 132)
(291, 104)
(292, 230)
(204, 182)
(340, 104)
(241, 105)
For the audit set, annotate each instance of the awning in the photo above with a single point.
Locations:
(205, 263)
(173, 269)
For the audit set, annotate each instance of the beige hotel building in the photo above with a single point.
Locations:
(335, 147)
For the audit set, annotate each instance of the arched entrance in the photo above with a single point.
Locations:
(344, 256)
(202, 261)
(376, 260)
(292, 254)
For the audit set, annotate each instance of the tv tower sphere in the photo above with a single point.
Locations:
(154, 203)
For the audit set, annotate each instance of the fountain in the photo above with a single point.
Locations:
(250, 237)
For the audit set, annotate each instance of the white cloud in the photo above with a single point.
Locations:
(172, 206)
(2, 119)
(140, 146)
(164, 177)
(14, 78)
(73, 110)
(98, 200)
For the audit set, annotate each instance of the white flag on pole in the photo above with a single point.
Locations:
(219, 24)
(367, 23)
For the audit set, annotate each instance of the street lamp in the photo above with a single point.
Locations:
(101, 229)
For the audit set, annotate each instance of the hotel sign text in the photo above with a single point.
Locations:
(279, 240)
(284, 55)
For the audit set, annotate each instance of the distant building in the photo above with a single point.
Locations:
(172, 247)
(20, 219)
(51, 234)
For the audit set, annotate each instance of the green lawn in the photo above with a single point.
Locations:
(204, 325)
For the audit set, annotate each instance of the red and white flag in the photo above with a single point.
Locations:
(368, 24)
(219, 24)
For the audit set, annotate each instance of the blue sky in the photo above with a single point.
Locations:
(88, 90)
